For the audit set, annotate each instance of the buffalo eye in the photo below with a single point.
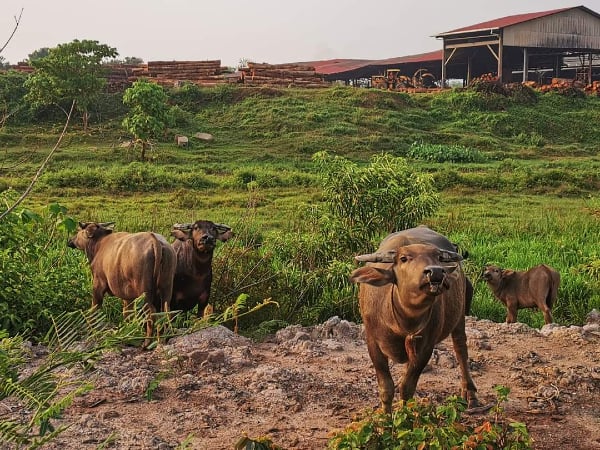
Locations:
(403, 258)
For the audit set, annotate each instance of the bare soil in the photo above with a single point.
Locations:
(302, 383)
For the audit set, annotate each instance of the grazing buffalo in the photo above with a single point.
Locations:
(534, 288)
(128, 265)
(194, 245)
(413, 294)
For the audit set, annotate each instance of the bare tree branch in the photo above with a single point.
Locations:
(17, 22)
(42, 167)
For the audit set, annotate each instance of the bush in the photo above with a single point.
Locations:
(419, 424)
(41, 276)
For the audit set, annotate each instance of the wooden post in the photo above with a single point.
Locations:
(525, 65)
(500, 45)
(443, 63)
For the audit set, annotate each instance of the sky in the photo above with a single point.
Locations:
(271, 31)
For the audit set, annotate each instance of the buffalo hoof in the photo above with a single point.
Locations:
(479, 408)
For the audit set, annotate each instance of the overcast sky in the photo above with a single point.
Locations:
(272, 31)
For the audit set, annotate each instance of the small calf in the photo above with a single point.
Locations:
(533, 288)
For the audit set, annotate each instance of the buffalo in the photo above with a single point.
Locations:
(413, 293)
(194, 246)
(533, 288)
(128, 265)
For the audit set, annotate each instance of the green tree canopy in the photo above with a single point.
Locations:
(12, 93)
(38, 54)
(149, 113)
(364, 203)
(71, 71)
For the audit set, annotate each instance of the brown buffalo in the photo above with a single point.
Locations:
(194, 245)
(413, 294)
(128, 265)
(534, 288)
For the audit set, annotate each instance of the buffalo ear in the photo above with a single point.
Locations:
(374, 276)
(180, 234)
(82, 225)
(508, 273)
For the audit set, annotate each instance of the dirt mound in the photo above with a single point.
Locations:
(303, 382)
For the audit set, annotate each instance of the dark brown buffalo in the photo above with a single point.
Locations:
(128, 265)
(413, 294)
(534, 288)
(194, 245)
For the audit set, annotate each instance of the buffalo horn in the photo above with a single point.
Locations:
(448, 256)
(106, 224)
(222, 227)
(183, 226)
(384, 257)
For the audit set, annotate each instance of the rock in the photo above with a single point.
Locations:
(181, 141)
(593, 317)
(206, 137)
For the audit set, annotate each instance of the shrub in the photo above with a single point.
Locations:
(40, 274)
(419, 424)
(444, 153)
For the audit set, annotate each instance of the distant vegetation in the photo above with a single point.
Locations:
(512, 178)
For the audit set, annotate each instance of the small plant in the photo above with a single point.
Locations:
(444, 153)
(154, 384)
(418, 424)
(260, 443)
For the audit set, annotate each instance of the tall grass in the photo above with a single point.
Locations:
(515, 174)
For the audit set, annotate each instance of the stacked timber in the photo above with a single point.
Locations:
(263, 74)
(593, 89)
(22, 67)
(173, 73)
(120, 76)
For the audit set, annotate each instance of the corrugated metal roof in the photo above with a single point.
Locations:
(508, 21)
(335, 66)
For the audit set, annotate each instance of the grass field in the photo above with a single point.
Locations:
(518, 178)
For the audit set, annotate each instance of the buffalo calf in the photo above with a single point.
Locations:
(533, 288)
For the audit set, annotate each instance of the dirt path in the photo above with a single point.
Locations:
(304, 382)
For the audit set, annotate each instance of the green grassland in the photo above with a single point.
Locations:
(518, 176)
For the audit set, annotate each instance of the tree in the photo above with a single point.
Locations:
(12, 93)
(149, 114)
(39, 54)
(126, 60)
(364, 203)
(70, 72)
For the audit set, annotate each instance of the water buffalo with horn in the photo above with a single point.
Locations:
(194, 245)
(533, 288)
(413, 293)
(128, 265)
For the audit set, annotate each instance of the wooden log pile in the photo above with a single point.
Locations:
(174, 73)
(263, 74)
(120, 76)
(593, 88)
(22, 67)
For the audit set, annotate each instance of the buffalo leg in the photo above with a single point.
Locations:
(511, 315)
(150, 311)
(413, 372)
(468, 389)
(547, 314)
(385, 383)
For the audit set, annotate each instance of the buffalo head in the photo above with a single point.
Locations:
(417, 269)
(203, 234)
(88, 231)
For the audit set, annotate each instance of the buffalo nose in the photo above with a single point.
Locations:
(70, 243)
(208, 239)
(434, 274)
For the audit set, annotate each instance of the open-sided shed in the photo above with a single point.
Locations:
(534, 46)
